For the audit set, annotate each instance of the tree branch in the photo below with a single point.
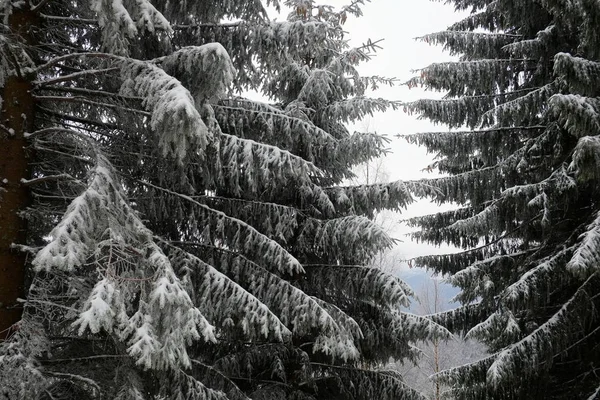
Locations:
(81, 99)
(35, 181)
(75, 76)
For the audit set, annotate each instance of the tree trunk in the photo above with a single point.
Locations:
(17, 117)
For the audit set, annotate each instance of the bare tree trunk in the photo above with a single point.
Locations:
(431, 303)
(436, 368)
(16, 117)
(436, 343)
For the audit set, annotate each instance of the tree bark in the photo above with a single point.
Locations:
(16, 115)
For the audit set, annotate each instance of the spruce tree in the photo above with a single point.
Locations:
(521, 159)
(166, 237)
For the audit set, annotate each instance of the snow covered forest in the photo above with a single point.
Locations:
(165, 236)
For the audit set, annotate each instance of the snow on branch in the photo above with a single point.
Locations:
(532, 47)
(289, 132)
(121, 20)
(267, 124)
(181, 384)
(319, 89)
(206, 71)
(389, 333)
(534, 195)
(357, 108)
(381, 384)
(345, 238)
(562, 181)
(490, 144)
(534, 353)
(266, 43)
(116, 23)
(100, 225)
(482, 183)
(20, 372)
(269, 357)
(175, 120)
(149, 18)
(358, 282)
(418, 327)
(520, 106)
(462, 378)
(341, 342)
(223, 301)
(434, 229)
(463, 318)
(471, 45)
(261, 165)
(74, 238)
(463, 78)
(455, 113)
(586, 259)
(581, 75)
(585, 162)
(214, 227)
(360, 147)
(251, 167)
(337, 330)
(105, 306)
(440, 219)
(217, 380)
(132, 387)
(278, 222)
(476, 279)
(368, 199)
(446, 263)
(249, 10)
(577, 114)
(594, 394)
(166, 321)
(500, 327)
(488, 19)
(298, 311)
(482, 223)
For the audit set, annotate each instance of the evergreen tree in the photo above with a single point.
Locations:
(524, 175)
(167, 238)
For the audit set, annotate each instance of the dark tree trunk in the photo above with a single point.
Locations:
(17, 117)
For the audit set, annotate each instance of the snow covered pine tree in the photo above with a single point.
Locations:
(525, 175)
(186, 243)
